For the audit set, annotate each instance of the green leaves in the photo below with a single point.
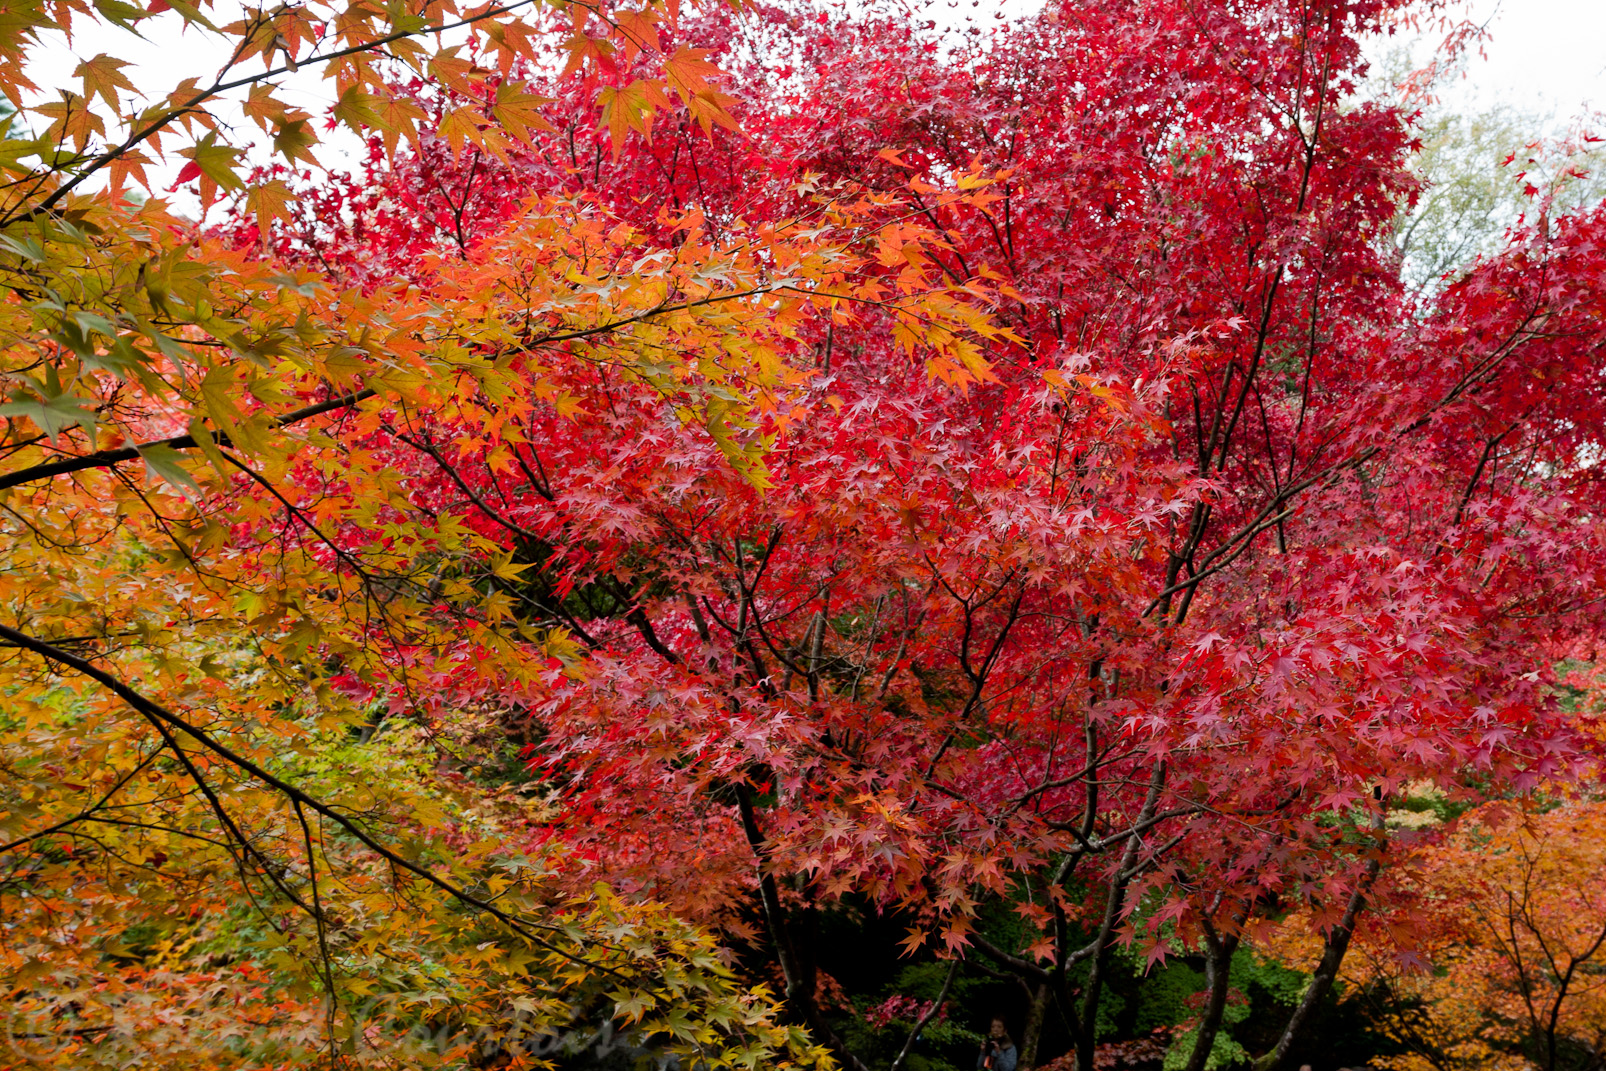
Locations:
(268, 202)
(54, 412)
(167, 464)
(518, 111)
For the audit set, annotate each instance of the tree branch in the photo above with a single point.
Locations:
(101, 459)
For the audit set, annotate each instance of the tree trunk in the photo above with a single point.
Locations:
(1321, 983)
(799, 982)
(1036, 1008)
(1218, 976)
(931, 1012)
(1093, 990)
(1040, 985)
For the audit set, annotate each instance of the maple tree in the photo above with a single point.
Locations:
(998, 481)
(1504, 968)
(1288, 427)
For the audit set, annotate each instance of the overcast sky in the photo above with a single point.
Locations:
(1546, 56)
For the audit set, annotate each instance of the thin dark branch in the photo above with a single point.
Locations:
(101, 459)
(165, 721)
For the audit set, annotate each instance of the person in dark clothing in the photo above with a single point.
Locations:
(997, 1051)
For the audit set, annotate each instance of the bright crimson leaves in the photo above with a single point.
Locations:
(1139, 632)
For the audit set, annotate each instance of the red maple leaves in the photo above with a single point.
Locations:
(1228, 542)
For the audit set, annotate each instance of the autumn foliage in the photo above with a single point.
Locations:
(706, 476)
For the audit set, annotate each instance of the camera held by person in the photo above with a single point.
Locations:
(997, 1050)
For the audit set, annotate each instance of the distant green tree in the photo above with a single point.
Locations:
(1485, 172)
(1484, 169)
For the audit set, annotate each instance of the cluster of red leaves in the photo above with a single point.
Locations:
(1139, 1053)
(1235, 540)
(900, 1008)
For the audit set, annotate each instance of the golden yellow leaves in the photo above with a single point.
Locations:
(71, 121)
(267, 566)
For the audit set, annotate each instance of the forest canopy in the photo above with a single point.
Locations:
(787, 536)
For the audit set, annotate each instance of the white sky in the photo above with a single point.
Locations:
(1546, 55)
